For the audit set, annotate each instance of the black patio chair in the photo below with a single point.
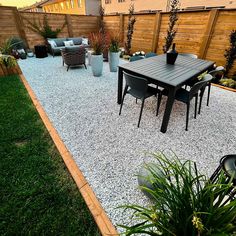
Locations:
(135, 58)
(189, 55)
(186, 96)
(219, 71)
(150, 54)
(138, 87)
(228, 166)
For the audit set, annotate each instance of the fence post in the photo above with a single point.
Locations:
(121, 28)
(213, 15)
(156, 31)
(69, 25)
(20, 26)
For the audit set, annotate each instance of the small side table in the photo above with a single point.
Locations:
(40, 51)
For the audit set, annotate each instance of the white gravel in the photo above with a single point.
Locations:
(109, 148)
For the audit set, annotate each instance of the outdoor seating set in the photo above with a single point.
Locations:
(73, 50)
(154, 70)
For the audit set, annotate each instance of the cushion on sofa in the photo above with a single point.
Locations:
(60, 42)
(69, 43)
(85, 41)
(52, 43)
(77, 41)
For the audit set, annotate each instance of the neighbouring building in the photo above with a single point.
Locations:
(36, 7)
(122, 6)
(79, 7)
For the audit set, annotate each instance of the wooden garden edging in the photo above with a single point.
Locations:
(4, 71)
(103, 222)
(224, 87)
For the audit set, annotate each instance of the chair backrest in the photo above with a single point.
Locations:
(73, 56)
(138, 85)
(150, 54)
(201, 85)
(135, 58)
(189, 55)
(218, 71)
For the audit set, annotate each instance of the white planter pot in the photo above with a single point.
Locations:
(113, 58)
(97, 64)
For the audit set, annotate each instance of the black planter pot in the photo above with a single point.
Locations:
(171, 58)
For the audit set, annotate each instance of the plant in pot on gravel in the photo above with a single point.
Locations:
(96, 41)
(184, 202)
(114, 53)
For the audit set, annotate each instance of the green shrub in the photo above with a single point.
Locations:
(185, 202)
(228, 83)
(45, 30)
(8, 61)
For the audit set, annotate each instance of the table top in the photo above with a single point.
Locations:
(157, 69)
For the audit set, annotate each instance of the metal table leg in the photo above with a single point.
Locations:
(120, 85)
(169, 104)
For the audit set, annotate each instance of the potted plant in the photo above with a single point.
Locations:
(8, 65)
(184, 202)
(114, 54)
(96, 41)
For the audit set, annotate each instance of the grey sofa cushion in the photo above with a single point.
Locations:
(59, 42)
(77, 41)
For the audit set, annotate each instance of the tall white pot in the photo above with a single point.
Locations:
(97, 64)
(113, 58)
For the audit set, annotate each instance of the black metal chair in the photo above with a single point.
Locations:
(185, 96)
(189, 55)
(218, 71)
(138, 87)
(135, 58)
(228, 166)
(150, 54)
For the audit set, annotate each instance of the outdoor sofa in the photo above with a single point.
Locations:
(56, 44)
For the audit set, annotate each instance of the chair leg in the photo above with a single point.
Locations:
(195, 110)
(63, 62)
(187, 116)
(208, 95)
(200, 104)
(85, 66)
(136, 100)
(68, 67)
(141, 111)
(122, 100)
(158, 103)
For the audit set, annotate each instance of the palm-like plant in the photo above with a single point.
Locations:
(185, 202)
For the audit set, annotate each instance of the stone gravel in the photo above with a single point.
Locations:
(109, 148)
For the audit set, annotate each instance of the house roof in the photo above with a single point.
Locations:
(35, 5)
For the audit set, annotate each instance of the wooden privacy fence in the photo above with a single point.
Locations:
(205, 33)
(14, 23)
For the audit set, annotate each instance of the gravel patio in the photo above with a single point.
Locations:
(109, 148)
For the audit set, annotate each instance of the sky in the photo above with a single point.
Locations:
(17, 3)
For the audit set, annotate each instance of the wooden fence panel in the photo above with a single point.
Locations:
(7, 24)
(226, 22)
(84, 25)
(54, 20)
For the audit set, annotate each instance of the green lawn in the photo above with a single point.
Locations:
(38, 195)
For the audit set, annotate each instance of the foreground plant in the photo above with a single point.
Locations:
(184, 202)
(96, 41)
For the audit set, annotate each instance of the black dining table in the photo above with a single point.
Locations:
(172, 77)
